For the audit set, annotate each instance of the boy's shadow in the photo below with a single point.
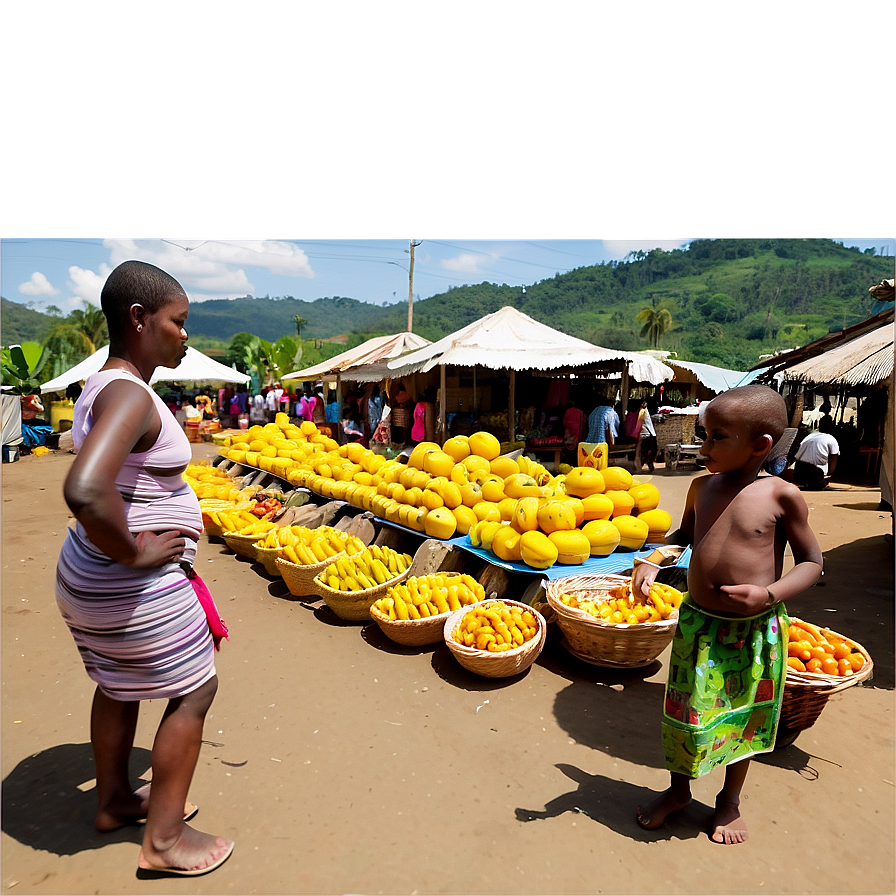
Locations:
(44, 807)
(614, 804)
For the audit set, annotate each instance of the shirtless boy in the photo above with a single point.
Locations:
(726, 675)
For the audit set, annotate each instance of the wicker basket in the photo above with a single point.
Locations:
(300, 578)
(354, 606)
(243, 545)
(617, 646)
(412, 632)
(495, 665)
(806, 693)
(267, 557)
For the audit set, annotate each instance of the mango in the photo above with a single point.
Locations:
(556, 515)
(521, 485)
(603, 537)
(506, 544)
(465, 518)
(623, 502)
(584, 481)
(632, 532)
(440, 523)
(503, 467)
(484, 444)
(458, 447)
(419, 453)
(658, 524)
(438, 463)
(537, 550)
(573, 546)
(525, 515)
(598, 507)
(617, 478)
(493, 488)
(646, 496)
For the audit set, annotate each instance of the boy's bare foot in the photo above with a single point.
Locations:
(131, 811)
(727, 825)
(194, 852)
(654, 814)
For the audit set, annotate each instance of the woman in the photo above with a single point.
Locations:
(122, 583)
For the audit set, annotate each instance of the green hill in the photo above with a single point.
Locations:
(730, 302)
(19, 324)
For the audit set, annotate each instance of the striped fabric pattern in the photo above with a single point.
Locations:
(142, 634)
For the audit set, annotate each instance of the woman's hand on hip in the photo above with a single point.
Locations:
(155, 549)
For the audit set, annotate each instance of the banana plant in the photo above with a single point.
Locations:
(17, 374)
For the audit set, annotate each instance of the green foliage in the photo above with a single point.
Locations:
(17, 373)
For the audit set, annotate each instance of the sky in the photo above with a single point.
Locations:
(66, 273)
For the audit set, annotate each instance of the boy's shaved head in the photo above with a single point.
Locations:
(758, 407)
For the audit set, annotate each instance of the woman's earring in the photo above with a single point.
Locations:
(139, 327)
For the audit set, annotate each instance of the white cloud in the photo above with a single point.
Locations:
(86, 285)
(466, 263)
(214, 268)
(621, 248)
(38, 285)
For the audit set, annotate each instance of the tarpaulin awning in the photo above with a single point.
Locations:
(509, 339)
(195, 367)
(366, 362)
(716, 379)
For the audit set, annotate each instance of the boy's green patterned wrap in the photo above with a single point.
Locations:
(725, 687)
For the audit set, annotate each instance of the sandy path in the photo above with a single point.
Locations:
(341, 763)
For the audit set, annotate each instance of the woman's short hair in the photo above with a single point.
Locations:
(136, 283)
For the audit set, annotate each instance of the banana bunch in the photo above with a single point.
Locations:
(365, 569)
(622, 607)
(240, 522)
(496, 627)
(420, 597)
(305, 547)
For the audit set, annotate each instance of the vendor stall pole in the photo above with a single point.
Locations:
(624, 388)
(443, 411)
(338, 399)
(475, 402)
(511, 407)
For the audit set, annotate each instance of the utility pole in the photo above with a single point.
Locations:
(414, 244)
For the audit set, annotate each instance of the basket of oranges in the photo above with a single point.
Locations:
(820, 662)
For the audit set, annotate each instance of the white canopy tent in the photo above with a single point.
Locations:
(371, 355)
(195, 367)
(716, 379)
(508, 339)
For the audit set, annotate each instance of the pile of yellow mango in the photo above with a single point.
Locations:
(365, 569)
(622, 607)
(421, 597)
(465, 487)
(308, 547)
(496, 627)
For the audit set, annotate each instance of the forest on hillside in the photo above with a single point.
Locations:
(723, 302)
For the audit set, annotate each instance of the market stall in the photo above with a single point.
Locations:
(511, 341)
(855, 363)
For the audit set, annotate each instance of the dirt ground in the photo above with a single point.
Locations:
(342, 763)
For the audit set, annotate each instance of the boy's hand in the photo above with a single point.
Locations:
(643, 576)
(747, 600)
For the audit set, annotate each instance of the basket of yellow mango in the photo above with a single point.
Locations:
(496, 638)
(603, 623)
(414, 611)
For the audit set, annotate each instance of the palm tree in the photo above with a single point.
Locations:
(74, 338)
(655, 323)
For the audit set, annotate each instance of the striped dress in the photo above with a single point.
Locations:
(142, 634)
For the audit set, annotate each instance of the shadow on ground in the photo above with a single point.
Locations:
(614, 805)
(855, 598)
(43, 806)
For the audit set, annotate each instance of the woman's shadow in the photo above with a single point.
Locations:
(49, 801)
